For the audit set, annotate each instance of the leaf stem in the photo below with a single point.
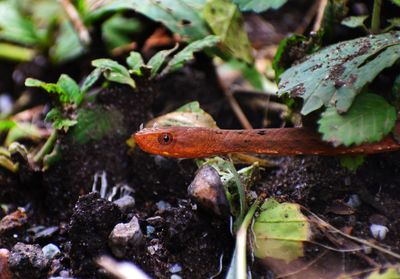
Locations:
(47, 147)
(238, 266)
(242, 196)
(376, 17)
(16, 53)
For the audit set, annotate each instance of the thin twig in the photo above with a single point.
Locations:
(238, 110)
(320, 15)
(76, 21)
(307, 18)
(356, 239)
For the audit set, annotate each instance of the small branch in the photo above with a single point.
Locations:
(376, 17)
(47, 147)
(76, 21)
(320, 15)
(238, 111)
(307, 18)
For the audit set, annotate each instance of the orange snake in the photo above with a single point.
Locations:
(193, 142)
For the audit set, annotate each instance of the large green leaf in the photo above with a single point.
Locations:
(397, 2)
(259, 6)
(179, 16)
(186, 54)
(336, 74)
(393, 272)
(226, 21)
(67, 89)
(94, 124)
(156, 62)
(67, 45)
(118, 31)
(369, 119)
(280, 230)
(14, 27)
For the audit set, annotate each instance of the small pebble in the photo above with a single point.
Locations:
(150, 230)
(175, 268)
(354, 201)
(155, 220)
(175, 276)
(125, 203)
(125, 236)
(28, 261)
(378, 231)
(46, 233)
(50, 251)
(162, 206)
(153, 248)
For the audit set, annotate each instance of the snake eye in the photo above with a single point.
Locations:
(165, 138)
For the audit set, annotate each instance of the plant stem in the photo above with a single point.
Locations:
(242, 197)
(241, 239)
(47, 147)
(376, 17)
(16, 53)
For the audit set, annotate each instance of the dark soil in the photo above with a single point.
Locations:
(59, 207)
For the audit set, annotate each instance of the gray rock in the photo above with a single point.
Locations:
(125, 203)
(208, 191)
(27, 261)
(125, 236)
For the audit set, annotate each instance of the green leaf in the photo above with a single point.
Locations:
(67, 45)
(280, 230)
(49, 87)
(158, 60)
(186, 54)
(259, 6)
(58, 120)
(94, 124)
(70, 92)
(180, 16)
(354, 21)
(135, 63)
(14, 27)
(5, 125)
(352, 163)
(67, 89)
(90, 80)
(390, 273)
(394, 22)
(8, 164)
(369, 120)
(118, 31)
(22, 131)
(397, 2)
(113, 71)
(336, 74)
(226, 21)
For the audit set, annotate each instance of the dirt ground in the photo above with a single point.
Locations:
(179, 237)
